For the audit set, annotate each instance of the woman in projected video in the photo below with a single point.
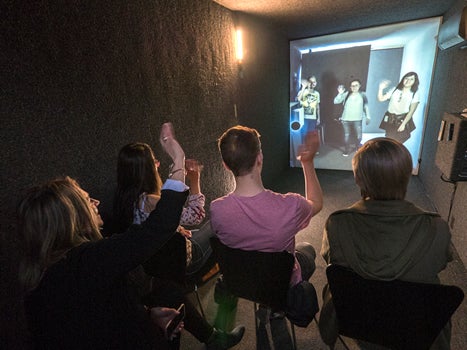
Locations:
(403, 101)
(355, 109)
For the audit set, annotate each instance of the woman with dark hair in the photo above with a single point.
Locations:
(383, 236)
(138, 191)
(77, 294)
(403, 101)
(137, 194)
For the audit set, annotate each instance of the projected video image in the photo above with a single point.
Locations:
(357, 85)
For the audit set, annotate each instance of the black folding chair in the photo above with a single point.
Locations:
(260, 277)
(395, 314)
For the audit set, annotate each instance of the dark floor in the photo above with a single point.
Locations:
(339, 191)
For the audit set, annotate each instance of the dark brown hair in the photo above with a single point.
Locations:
(382, 169)
(239, 147)
(136, 173)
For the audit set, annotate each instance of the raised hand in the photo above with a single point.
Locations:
(174, 150)
(193, 169)
(384, 84)
(162, 315)
(307, 151)
(169, 143)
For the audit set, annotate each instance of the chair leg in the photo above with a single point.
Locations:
(195, 289)
(294, 339)
(255, 306)
(343, 342)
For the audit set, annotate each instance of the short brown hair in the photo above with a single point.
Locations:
(239, 147)
(382, 169)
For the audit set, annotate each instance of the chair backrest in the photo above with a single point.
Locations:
(395, 314)
(262, 277)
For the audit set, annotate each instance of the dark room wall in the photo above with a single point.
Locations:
(81, 80)
(449, 94)
(85, 79)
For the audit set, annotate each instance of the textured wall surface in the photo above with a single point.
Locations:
(82, 79)
(449, 94)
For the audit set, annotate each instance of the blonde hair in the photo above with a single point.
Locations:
(52, 219)
(382, 169)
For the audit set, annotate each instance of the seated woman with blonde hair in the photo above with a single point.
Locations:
(77, 295)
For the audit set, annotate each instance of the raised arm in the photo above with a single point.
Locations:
(413, 107)
(341, 94)
(107, 259)
(193, 212)
(175, 151)
(381, 95)
(306, 155)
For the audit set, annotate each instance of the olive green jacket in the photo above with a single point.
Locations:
(384, 240)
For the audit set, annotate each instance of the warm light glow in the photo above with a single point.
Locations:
(239, 53)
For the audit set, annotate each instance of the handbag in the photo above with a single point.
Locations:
(404, 135)
(302, 304)
(389, 121)
(393, 121)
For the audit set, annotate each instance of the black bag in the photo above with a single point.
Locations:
(404, 135)
(391, 122)
(302, 304)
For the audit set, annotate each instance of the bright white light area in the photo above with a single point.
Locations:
(239, 43)
(336, 46)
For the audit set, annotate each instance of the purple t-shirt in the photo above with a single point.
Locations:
(266, 222)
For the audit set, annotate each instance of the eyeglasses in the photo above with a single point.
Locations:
(354, 85)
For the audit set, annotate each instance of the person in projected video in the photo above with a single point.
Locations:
(403, 101)
(355, 109)
(304, 86)
(309, 99)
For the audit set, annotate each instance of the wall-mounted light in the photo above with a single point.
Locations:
(239, 51)
(239, 46)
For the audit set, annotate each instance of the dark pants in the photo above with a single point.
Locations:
(170, 294)
(201, 248)
(306, 254)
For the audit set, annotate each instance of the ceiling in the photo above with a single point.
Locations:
(301, 18)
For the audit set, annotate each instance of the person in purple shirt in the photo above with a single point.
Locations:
(254, 218)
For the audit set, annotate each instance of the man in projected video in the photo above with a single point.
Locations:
(309, 99)
(355, 109)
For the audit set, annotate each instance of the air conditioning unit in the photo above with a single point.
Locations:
(453, 30)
